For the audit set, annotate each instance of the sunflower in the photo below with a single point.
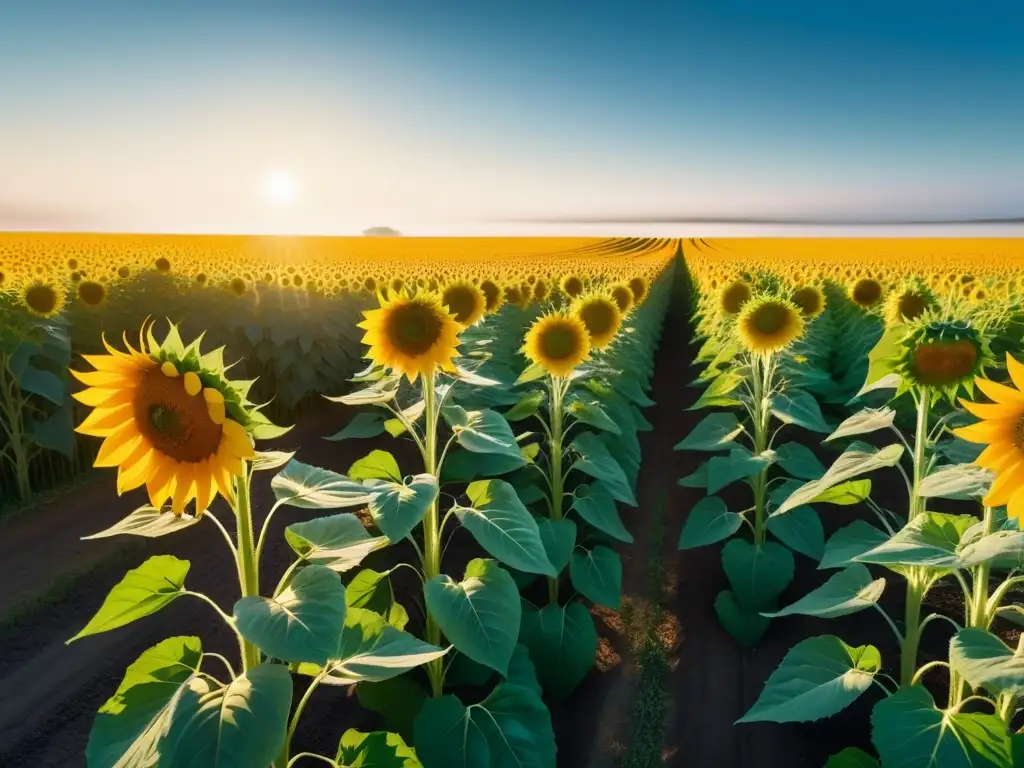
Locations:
(467, 302)
(768, 324)
(810, 300)
(623, 297)
(1002, 429)
(639, 288)
(169, 419)
(941, 355)
(734, 296)
(572, 286)
(493, 296)
(411, 334)
(558, 342)
(92, 293)
(42, 299)
(601, 316)
(866, 292)
(907, 304)
(540, 290)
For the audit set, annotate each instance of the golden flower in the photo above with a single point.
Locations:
(493, 296)
(42, 299)
(866, 292)
(92, 292)
(623, 297)
(412, 335)
(465, 301)
(572, 286)
(165, 425)
(810, 300)
(734, 296)
(639, 288)
(1002, 429)
(601, 316)
(769, 324)
(558, 342)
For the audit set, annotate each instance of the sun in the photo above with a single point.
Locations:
(280, 188)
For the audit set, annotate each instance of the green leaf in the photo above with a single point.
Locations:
(746, 626)
(397, 508)
(596, 505)
(697, 479)
(527, 406)
(267, 460)
(848, 591)
(1000, 549)
(852, 462)
(362, 426)
(960, 481)
(36, 381)
(849, 542)
(715, 432)
(461, 466)
(300, 485)
(800, 530)
(985, 661)
(339, 542)
(149, 522)
(243, 723)
(757, 575)
(867, 420)
(739, 464)
(303, 623)
(562, 641)
(522, 672)
(798, 460)
(397, 699)
(142, 591)
(559, 539)
(375, 750)
(595, 460)
(882, 357)
(851, 757)
(129, 726)
(504, 527)
(377, 465)
(909, 731)
(511, 727)
(597, 575)
(930, 540)
(377, 393)
(709, 521)
(371, 650)
(800, 408)
(531, 373)
(819, 677)
(56, 432)
(479, 615)
(483, 431)
(590, 412)
(845, 494)
(717, 393)
(372, 590)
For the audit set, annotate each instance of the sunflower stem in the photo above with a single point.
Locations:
(920, 447)
(557, 480)
(431, 527)
(762, 374)
(248, 568)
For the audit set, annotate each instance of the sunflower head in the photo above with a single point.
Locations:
(493, 296)
(809, 300)
(638, 286)
(465, 301)
(411, 335)
(768, 324)
(42, 299)
(623, 297)
(908, 304)
(170, 419)
(514, 295)
(92, 293)
(941, 355)
(601, 317)
(866, 292)
(572, 286)
(734, 296)
(558, 342)
(540, 289)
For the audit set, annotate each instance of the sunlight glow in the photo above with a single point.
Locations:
(280, 188)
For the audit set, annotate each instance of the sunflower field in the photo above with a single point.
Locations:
(861, 451)
(445, 582)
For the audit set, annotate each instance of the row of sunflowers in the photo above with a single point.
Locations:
(524, 421)
(873, 408)
(286, 308)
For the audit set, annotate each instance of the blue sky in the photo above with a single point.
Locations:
(457, 116)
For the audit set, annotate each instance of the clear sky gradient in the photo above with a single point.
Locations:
(475, 116)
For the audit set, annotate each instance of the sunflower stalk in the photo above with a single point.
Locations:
(248, 568)
(431, 525)
(558, 387)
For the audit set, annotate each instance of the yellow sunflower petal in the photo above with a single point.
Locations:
(118, 446)
(169, 370)
(1000, 392)
(1005, 484)
(997, 456)
(990, 431)
(105, 398)
(1016, 371)
(1015, 506)
(103, 422)
(238, 439)
(993, 410)
(107, 380)
(192, 384)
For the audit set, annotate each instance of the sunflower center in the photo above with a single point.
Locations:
(939, 363)
(623, 297)
(41, 299)
(1018, 434)
(867, 292)
(912, 305)
(176, 423)
(413, 328)
(770, 318)
(559, 342)
(492, 294)
(808, 299)
(573, 286)
(462, 301)
(599, 317)
(734, 297)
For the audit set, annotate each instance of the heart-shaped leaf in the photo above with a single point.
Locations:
(339, 542)
(597, 575)
(596, 461)
(757, 575)
(397, 508)
(559, 538)
(715, 432)
(709, 521)
(149, 522)
(596, 505)
(847, 591)
(300, 485)
(562, 641)
(746, 626)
